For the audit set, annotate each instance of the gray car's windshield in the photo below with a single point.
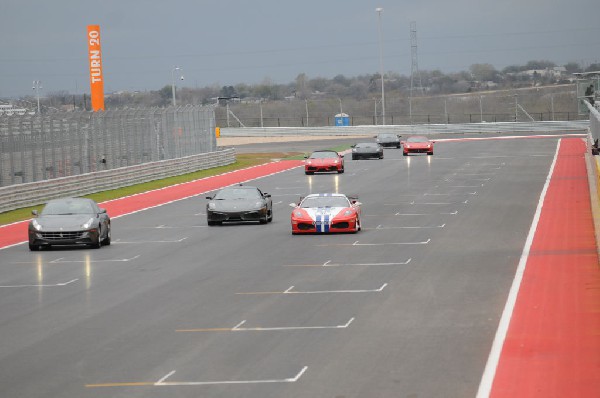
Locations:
(68, 207)
(237, 193)
(325, 201)
(366, 145)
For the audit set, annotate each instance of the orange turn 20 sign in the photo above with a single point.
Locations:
(96, 75)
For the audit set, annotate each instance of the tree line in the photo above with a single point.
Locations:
(358, 88)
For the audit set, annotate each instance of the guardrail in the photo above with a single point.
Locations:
(30, 194)
(594, 127)
(505, 127)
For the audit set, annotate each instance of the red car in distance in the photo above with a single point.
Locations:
(417, 144)
(324, 161)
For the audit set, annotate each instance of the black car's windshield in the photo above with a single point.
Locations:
(62, 207)
(324, 155)
(237, 193)
(417, 139)
(388, 136)
(325, 201)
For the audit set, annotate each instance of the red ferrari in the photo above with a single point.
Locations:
(417, 144)
(322, 161)
(326, 213)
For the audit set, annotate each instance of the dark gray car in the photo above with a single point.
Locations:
(367, 150)
(388, 139)
(239, 203)
(69, 221)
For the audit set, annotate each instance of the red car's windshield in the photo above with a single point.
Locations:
(324, 155)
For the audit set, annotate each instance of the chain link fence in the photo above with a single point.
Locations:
(37, 148)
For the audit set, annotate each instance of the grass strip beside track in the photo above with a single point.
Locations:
(242, 161)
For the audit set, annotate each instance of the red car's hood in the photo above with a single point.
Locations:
(322, 162)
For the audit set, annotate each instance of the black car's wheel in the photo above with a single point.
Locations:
(211, 223)
(308, 173)
(398, 146)
(340, 171)
(354, 157)
(404, 154)
(264, 220)
(380, 156)
(270, 218)
(34, 248)
(430, 153)
(106, 241)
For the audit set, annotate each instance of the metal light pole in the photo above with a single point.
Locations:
(379, 10)
(173, 83)
(480, 110)
(306, 105)
(339, 99)
(37, 86)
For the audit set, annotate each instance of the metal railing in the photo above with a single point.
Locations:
(594, 127)
(38, 148)
(506, 128)
(391, 119)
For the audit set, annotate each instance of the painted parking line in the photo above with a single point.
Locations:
(330, 264)
(357, 243)
(162, 382)
(44, 285)
(291, 291)
(239, 328)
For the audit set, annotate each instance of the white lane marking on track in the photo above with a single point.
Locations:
(290, 291)
(455, 212)
(489, 373)
(448, 194)
(165, 377)
(116, 260)
(44, 285)
(237, 328)
(164, 383)
(381, 227)
(151, 241)
(330, 264)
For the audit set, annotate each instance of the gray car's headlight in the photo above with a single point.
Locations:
(36, 225)
(212, 206)
(87, 224)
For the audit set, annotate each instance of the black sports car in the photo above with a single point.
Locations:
(69, 221)
(365, 150)
(239, 203)
(388, 139)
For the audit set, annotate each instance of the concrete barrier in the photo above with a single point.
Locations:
(33, 193)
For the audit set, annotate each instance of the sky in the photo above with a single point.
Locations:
(227, 42)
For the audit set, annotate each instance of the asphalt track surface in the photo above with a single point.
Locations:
(408, 307)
